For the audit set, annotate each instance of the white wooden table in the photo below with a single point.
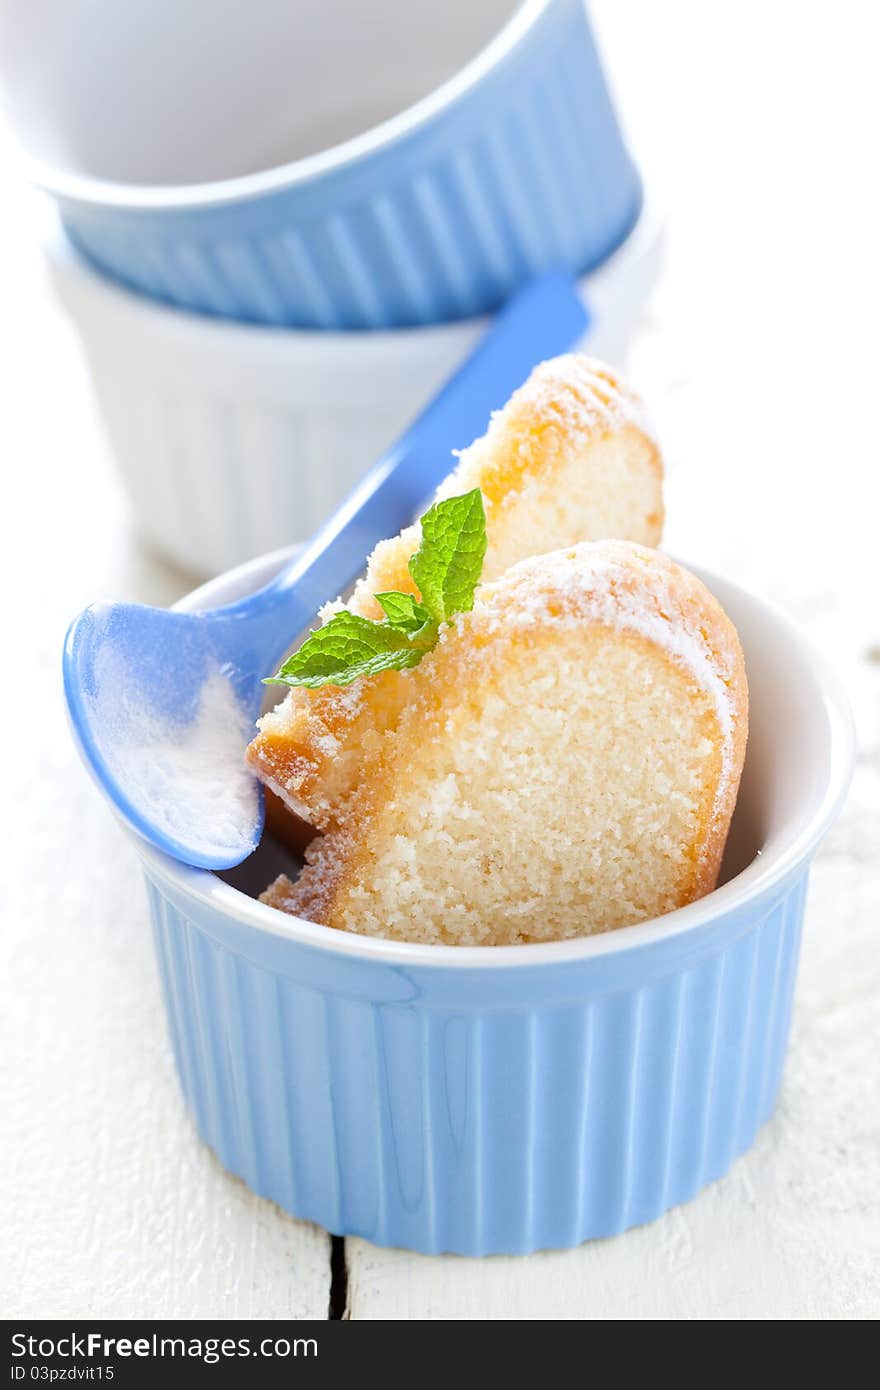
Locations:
(759, 357)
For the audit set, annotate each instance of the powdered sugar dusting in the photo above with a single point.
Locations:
(579, 392)
(190, 778)
(586, 393)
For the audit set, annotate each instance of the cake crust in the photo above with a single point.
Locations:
(607, 658)
(569, 458)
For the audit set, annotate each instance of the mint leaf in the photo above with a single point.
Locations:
(448, 563)
(403, 611)
(446, 567)
(345, 648)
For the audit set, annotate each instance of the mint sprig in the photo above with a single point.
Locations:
(446, 568)
(403, 611)
(345, 648)
(448, 563)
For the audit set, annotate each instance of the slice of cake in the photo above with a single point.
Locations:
(566, 761)
(569, 458)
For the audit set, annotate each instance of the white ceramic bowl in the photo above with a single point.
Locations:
(234, 440)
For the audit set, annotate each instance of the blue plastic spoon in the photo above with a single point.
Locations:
(163, 703)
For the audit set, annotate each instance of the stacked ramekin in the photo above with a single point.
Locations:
(259, 331)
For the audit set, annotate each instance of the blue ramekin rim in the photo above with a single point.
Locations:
(753, 888)
(85, 191)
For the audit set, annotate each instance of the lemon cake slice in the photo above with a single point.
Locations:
(565, 762)
(569, 458)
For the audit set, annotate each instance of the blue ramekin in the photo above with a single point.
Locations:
(515, 164)
(508, 1099)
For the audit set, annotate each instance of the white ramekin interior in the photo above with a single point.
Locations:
(798, 765)
(163, 103)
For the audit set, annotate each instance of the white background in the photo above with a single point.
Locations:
(758, 122)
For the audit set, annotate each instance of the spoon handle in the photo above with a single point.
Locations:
(545, 318)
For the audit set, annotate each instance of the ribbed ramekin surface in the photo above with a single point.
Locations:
(479, 1111)
(233, 441)
(525, 170)
(216, 477)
